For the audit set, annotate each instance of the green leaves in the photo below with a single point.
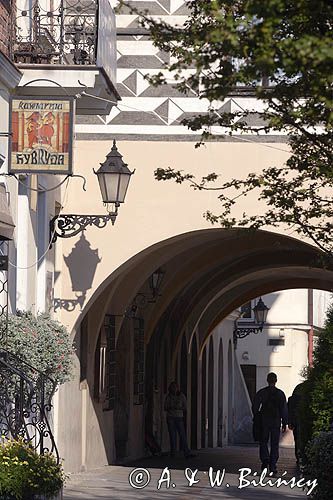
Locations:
(288, 43)
(24, 473)
(42, 342)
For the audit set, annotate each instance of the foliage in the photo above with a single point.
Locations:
(24, 473)
(316, 407)
(226, 46)
(43, 343)
(320, 464)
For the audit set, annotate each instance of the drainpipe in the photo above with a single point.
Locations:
(310, 322)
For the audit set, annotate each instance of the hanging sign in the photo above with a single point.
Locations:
(42, 135)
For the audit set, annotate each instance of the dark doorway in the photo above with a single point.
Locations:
(203, 398)
(211, 394)
(250, 377)
(194, 395)
(220, 397)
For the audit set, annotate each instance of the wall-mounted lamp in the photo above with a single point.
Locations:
(113, 178)
(260, 311)
(141, 300)
(155, 282)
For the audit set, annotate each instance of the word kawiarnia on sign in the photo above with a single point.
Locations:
(41, 135)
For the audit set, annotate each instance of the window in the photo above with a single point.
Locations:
(246, 311)
(105, 364)
(275, 341)
(6, 4)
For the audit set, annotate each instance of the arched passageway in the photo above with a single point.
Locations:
(166, 335)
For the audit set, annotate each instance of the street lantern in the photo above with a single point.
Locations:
(260, 312)
(155, 281)
(113, 177)
(260, 316)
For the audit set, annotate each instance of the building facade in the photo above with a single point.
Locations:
(133, 337)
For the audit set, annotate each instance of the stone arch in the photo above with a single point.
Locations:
(208, 274)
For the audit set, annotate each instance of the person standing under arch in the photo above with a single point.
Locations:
(175, 405)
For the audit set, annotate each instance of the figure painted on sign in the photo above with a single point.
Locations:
(47, 130)
(34, 124)
(40, 129)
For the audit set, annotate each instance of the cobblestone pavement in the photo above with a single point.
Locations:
(113, 481)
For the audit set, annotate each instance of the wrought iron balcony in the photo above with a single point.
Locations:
(53, 40)
(56, 31)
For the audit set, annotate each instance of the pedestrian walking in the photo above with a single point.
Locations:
(269, 411)
(175, 405)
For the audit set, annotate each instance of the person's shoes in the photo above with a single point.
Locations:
(273, 471)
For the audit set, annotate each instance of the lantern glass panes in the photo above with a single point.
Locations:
(260, 312)
(113, 177)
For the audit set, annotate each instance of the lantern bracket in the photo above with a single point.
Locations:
(260, 313)
(68, 225)
(244, 331)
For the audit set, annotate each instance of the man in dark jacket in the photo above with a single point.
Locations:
(270, 406)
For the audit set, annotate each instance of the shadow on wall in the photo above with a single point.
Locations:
(82, 263)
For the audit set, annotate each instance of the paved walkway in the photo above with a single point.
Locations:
(112, 482)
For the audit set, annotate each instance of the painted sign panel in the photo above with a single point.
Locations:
(42, 135)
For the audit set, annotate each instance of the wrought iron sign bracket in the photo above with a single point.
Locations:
(242, 332)
(68, 225)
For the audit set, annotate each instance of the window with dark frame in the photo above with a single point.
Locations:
(6, 4)
(276, 342)
(105, 364)
(139, 361)
(110, 357)
(246, 311)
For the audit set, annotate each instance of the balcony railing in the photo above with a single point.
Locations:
(55, 32)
